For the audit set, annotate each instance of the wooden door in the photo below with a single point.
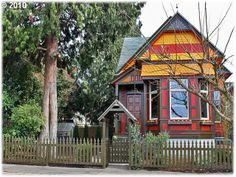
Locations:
(134, 106)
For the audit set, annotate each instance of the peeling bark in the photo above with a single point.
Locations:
(50, 89)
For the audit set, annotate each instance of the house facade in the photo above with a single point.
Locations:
(149, 77)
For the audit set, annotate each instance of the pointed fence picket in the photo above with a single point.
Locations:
(63, 151)
(182, 155)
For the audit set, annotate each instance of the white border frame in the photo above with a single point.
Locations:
(178, 118)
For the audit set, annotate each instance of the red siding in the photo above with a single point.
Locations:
(173, 48)
(164, 99)
(219, 129)
(205, 128)
(194, 126)
(193, 100)
(164, 126)
(210, 98)
(155, 127)
(180, 127)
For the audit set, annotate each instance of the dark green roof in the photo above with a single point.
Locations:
(130, 46)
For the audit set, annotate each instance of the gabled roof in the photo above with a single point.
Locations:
(117, 107)
(130, 46)
(177, 22)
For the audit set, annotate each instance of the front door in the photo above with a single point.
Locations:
(134, 106)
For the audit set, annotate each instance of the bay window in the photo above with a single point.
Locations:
(178, 100)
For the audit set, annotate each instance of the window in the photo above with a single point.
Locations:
(204, 105)
(216, 101)
(154, 99)
(179, 100)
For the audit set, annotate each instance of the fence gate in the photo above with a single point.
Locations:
(119, 151)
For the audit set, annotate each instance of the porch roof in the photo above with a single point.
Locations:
(117, 107)
(149, 70)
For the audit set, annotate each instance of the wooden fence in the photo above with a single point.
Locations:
(119, 151)
(182, 156)
(54, 152)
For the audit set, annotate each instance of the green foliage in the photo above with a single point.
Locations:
(161, 139)
(19, 87)
(150, 137)
(26, 120)
(89, 37)
(65, 86)
(99, 54)
(135, 134)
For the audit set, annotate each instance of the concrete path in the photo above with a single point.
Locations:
(12, 169)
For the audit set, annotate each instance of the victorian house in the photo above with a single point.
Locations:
(146, 82)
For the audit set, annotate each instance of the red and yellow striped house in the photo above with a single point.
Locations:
(144, 81)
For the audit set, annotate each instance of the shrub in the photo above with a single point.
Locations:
(26, 120)
(150, 137)
(135, 133)
(163, 137)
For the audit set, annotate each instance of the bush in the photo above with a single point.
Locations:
(135, 133)
(27, 120)
(150, 137)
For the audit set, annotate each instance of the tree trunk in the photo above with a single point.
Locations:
(50, 89)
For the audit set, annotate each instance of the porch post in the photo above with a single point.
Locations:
(130, 148)
(117, 91)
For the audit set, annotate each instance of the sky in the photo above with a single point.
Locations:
(153, 15)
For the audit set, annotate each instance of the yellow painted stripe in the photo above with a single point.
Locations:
(177, 38)
(176, 69)
(177, 56)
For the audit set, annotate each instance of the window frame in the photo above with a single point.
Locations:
(150, 99)
(204, 92)
(178, 90)
(218, 100)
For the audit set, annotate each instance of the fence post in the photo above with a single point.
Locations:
(104, 143)
(130, 148)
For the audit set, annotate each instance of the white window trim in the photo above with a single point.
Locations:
(170, 89)
(206, 92)
(150, 102)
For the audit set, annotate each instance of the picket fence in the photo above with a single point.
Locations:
(182, 155)
(54, 151)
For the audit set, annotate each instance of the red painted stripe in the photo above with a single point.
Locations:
(180, 127)
(206, 128)
(176, 48)
(152, 127)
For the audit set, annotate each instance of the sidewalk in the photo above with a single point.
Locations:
(12, 169)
